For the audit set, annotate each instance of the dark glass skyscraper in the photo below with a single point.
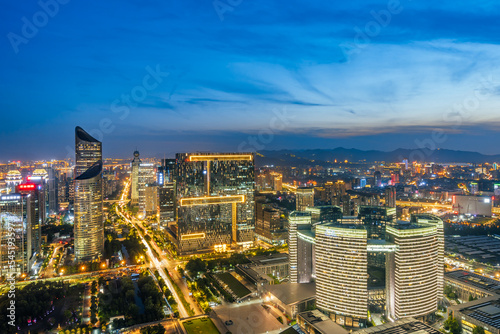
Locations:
(89, 226)
(215, 198)
(88, 151)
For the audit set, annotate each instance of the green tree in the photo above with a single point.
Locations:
(478, 330)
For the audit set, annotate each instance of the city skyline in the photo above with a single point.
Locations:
(374, 75)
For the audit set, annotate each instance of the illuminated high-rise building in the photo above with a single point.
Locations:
(88, 151)
(341, 272)
(299, 248)
(412, 273)
(13, 179)
(167, 210)
(304, 198)
(390, 197)
(134, 178)
(13, 234)
(145, 178)
(88, 223)
(429, 219)
(36, 206)
(20, 229)
(215, 198)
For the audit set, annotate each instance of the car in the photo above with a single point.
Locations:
(229, 322)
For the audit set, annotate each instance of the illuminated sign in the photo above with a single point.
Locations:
(15, 197)
(27, 186)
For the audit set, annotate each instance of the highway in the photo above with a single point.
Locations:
(157, 264)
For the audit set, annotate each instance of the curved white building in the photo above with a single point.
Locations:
(412, 275)
(341, 272)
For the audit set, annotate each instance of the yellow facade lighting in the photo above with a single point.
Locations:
(221, 157)
(212, 200)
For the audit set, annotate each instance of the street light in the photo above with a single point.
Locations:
(82, 268)
(103, 265)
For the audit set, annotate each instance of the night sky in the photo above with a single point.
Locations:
(229, 75)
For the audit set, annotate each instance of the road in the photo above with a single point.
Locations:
(157, 264)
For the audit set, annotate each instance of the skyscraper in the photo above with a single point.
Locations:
(89, 225)
(412, 271)
(145, 178)
(341, 273)
(134, 177)
(88, 151)
(13, 234)
(167, 212)
(35, 216)
(13, 179)
(215, 198)
(390, 197)
(300, 251)
(304, 197)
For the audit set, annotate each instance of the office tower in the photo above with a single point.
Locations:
(347, 205)
(151, 199)
(376, 218)
(300, 253)
(165, 177)
(13, 248)
(276, 181)
(40, 178)
(304, 198)
(166, 204)
(13, 179)
(394, 178)
(63, 189)
(433, 220)
(147, 175)
(377, 179)
(412, 273)
(269, 181)
(88, 223)
(324, 213)
(269, 227)
(35, 216)
(134, 178)
(52, 191)
(88, 151)
(341, 272)
(390, 197)
(215, 197)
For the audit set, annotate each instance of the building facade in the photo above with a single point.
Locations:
(215, 200)
(88, 187)
(304, 198)
(341, 273)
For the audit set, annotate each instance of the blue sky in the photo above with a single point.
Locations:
(343, 74)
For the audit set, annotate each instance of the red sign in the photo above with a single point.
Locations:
(27, 186)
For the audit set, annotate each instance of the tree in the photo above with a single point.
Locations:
(478, 330)
(453, 325)
(157, 329)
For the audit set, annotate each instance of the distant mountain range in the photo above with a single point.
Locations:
(328, 156)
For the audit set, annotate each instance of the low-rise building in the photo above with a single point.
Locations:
(483, 313)
(291, 298)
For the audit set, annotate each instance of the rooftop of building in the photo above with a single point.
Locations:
(292, 293)
(300, 214)
(81, 134)
(269, 259)
(485, 283)
(340, 225)
(403, 326)
(322, 323)
(485, 310)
